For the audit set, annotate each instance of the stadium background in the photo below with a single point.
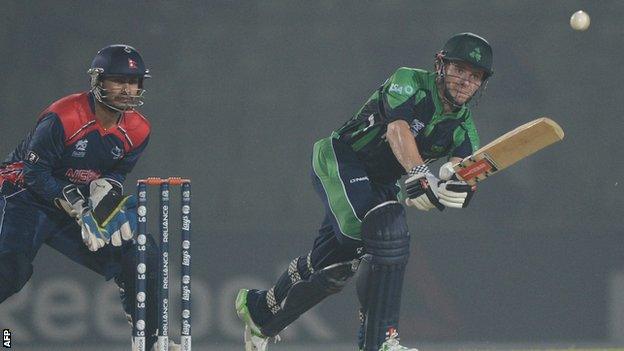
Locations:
(240, 92)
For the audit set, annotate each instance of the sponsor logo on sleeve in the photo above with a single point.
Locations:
(401, 89)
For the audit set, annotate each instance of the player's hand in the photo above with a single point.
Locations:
(77, 207)
(455, 193)
(114, 213)
(447, 172)
(421, 187)
(93, 236)
(72, 202)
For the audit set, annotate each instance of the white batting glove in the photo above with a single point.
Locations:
(422, 189)
(446, 171)
(455, 193)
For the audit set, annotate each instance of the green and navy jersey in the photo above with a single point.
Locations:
(409, 94)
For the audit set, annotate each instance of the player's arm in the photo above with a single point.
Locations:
(43, 153)
(399, 96)
(403, 145)
(421, 185)
(397, 99)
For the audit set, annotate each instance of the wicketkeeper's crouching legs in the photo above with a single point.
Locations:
(380, 280)
(15, 270)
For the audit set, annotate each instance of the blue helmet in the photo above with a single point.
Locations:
(117, 60)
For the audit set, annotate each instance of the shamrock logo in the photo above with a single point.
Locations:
(476, 54)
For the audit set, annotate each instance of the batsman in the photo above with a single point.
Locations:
(62, 185)
(414, 118)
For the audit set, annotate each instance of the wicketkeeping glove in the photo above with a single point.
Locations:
(114, 213)
(421, 187)
(76, 206)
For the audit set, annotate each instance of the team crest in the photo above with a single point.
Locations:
(476, 54)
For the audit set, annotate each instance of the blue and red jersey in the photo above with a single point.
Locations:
(68, 145)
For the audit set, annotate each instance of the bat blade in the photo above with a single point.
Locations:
(508, 149)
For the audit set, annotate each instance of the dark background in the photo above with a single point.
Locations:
(241, 90)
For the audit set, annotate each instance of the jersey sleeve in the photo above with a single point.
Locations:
(400, 95)
(125, 165)
(43, 153)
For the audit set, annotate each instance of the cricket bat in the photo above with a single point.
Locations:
(508, 149)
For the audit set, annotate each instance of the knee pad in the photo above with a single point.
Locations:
(385, 235)
(15, 270)
(380, 280)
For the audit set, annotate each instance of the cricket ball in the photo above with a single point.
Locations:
(580, 20)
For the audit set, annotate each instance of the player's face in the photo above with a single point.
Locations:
(462, 80)
(121, 91)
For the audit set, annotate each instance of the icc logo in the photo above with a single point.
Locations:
(81, 145)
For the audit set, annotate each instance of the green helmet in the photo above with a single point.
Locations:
(470, 48)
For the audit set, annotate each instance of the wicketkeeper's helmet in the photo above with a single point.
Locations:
(117, 60)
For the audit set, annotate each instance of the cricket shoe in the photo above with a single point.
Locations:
(254, 339)
(392, 343)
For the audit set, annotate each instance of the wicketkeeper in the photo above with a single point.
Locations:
(62, 185)
(414, 118)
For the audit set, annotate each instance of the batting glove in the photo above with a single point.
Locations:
(453, 192)
(421, 187)
(456, 193)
